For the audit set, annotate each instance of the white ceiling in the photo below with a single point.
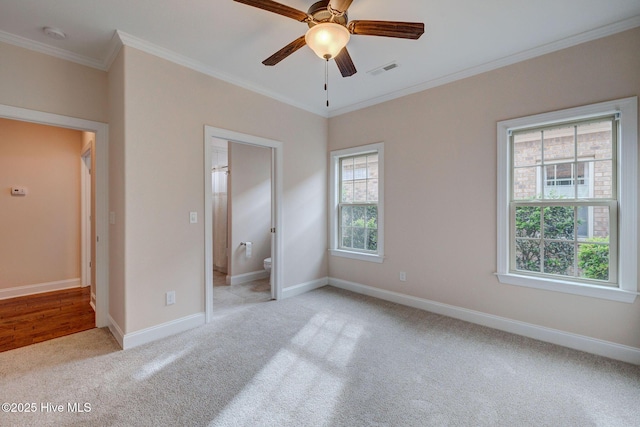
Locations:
(229, 40)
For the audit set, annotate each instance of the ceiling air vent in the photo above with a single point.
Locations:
(383, 69)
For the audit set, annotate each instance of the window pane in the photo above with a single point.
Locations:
(347, 216)
(603, 179)
(593, 260)
(528, 221)
(372, 240)
(372, 217)
(347, 168)
(525, 183)
(584, 177)
(527, 149)
(346, 237)
(584, 221)
(527, 255)
(347, 192)
(601, 222)
(358, 237)
(372, 166)
(558, 144)
(558, 258)
(559, 222)
(595, 140)
(359, 179)
(559, 181)
(360, 167)
(372, 190)
(358, 216)
(360, 191)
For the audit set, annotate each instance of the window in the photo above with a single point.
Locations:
(356, 216)
(567, 200)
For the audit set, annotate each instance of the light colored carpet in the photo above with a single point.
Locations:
(325, 358)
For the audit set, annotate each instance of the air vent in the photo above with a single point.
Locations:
(383, 69)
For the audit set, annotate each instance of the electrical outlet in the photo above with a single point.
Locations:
(403, 276)
(171, 297)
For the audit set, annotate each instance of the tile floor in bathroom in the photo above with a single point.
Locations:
(253, 292)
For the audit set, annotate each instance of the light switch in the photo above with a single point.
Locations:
(193, 217)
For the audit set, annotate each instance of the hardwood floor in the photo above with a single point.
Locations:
(36, 318)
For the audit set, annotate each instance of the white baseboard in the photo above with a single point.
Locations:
(116, 331)
(554, 336)
(247, 277)
(163, 330)
(301, 288)
(38, 288)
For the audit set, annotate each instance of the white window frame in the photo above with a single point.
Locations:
(334, 194)
(627, 176)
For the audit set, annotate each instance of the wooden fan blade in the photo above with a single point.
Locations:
(278, 8)
(285, 51)
(404, 30)
(340, 5)
(345, 64)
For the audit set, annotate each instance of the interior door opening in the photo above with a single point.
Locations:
(241, 176)
(100, 167)
(253, 179)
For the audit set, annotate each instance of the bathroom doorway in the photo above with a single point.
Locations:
(241, 192)
(219, 207)
(253, 194)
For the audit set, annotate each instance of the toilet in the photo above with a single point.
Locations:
(267, 266)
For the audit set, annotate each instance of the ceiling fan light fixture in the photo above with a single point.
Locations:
(327, 39)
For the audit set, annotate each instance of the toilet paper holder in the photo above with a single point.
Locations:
(248, 248)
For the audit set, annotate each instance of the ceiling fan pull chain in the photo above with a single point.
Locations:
(326, 79)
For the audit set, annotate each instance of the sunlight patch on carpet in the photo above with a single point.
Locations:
(159, 363)
(304, 379)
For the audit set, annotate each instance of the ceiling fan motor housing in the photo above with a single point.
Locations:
(320, 13)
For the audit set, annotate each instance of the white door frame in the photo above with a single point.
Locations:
(276, 203)
(101, 131)
(85, 216)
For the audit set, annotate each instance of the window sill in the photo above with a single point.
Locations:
(357, 255)
(594, 291)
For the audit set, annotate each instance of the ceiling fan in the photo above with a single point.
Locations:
(330, 30)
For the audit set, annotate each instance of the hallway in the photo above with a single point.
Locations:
(35, 318)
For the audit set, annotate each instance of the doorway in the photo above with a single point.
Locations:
(275, 148)
(220, 207)
(100, 130)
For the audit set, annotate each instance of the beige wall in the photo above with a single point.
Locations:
(40, 82)
(116, 193)
(165, 109)
(250, 206)
(40, 231)
(440, 188)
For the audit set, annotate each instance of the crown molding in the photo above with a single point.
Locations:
(121, 38)
(51, 50)
(587, 36)
(115, 44)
